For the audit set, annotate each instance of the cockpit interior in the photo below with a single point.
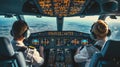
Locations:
(60, 26)
(59, 46)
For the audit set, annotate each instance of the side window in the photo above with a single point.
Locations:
(114, 25)
(5, 26)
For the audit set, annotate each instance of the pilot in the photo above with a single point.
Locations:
(99, 32)
(20, 31)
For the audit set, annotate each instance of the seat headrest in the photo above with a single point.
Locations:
(111, 49)
(6, 49)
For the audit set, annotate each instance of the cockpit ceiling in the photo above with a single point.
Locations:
(61, 8)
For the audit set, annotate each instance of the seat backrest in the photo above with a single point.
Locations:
(111, 49)
(109, 55)
(9, 58)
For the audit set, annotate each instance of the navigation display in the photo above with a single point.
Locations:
(35, 41)
(84, 41)
(75, 42)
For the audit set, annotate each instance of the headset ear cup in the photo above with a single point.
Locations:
(109, 32)
(26, 34)
(92, 35)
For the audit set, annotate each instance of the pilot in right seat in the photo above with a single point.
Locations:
(20, 31)
(99, 32)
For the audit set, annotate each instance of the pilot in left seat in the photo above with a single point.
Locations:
(20, 31)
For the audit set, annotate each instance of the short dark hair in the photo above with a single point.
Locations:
(19, 27)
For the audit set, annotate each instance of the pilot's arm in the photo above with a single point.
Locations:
(38, 60)
(81, 56)
(34, 56)
(42, 51)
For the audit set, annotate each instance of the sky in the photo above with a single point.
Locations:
(49, 24)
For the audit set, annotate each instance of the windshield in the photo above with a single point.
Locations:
(70, 23)
(49, 24)
(79, 24)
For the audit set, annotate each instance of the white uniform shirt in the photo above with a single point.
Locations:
(37, 59)
(82, 56)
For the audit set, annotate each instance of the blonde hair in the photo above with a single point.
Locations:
(100, 28)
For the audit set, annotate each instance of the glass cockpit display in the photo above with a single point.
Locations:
(35, 41)
(84, 41)
(44, 42)
(75, 41)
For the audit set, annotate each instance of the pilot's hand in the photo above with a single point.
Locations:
(42, 51)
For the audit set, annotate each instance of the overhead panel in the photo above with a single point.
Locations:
(61, 8)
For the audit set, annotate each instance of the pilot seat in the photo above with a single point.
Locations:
(8, 57)
(109, 55)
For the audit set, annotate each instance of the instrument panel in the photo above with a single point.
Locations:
(56, 39)
(59, 46)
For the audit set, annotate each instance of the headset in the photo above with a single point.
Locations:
(94, 36)
(25, 34)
